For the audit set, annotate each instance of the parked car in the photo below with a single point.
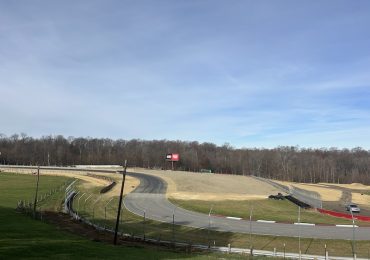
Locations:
(353, 207)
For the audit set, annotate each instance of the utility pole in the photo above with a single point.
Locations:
(209, 226)
(120, 202)
(250, 230)
(37, 190)
(299, 232)
(353, 234)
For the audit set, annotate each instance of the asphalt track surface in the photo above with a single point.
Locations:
(149, 197)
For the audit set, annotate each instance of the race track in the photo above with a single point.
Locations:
(149, 197)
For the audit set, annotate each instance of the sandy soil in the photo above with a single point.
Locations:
(197, 186)
(352, 186)
(327, 194)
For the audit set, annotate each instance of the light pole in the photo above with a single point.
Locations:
(299, 231)
(209, 226)
(173, 225)
(144, 224)
(353, 234)
(37, 190)
(120, 203)
(250, 230)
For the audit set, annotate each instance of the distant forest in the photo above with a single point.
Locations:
(282, 163)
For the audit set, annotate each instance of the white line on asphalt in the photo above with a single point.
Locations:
(304, 224)
(266, 221)
(234, 218)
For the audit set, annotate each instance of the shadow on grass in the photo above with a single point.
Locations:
(23, 237)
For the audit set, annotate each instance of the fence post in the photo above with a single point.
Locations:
(173, 228)
(144, 225)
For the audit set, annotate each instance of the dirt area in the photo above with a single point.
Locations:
(352, 186)
(327, 194)
(203, 186)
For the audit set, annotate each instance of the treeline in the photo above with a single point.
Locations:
(282, 163)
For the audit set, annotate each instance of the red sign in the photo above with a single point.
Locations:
(173, 157)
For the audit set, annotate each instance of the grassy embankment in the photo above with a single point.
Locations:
(22, 237)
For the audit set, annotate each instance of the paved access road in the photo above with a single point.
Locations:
(150, 197)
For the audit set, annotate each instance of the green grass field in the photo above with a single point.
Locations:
(22, 237)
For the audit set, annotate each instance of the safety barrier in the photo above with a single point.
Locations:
(343, 215)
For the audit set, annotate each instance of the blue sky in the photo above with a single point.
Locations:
(250, 73)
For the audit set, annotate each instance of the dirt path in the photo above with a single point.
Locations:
(198, 186)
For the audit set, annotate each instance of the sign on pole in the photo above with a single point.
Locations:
(172, 157)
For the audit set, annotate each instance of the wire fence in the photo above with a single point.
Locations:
(99, 212)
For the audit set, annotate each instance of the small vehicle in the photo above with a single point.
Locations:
(353, 207)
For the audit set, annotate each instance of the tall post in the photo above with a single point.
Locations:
(144, 224)
(209, 226)
(37, 190)
(284, 251)
(250, 230)
(173, 227)
(299, 231)
(120, 203)
(353, 234)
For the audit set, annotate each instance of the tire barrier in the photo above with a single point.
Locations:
(298, 202)
(108, 188)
